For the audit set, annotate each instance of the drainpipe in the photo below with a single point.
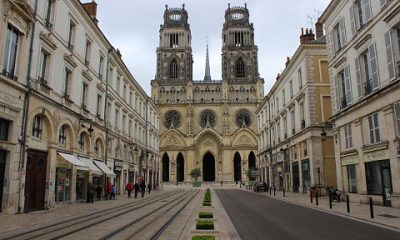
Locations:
(105, 112)
(21, 164)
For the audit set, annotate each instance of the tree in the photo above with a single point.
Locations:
(195, 173)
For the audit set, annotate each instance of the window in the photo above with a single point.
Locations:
(397, 117)
(343, 88)
(43, 68)
(240, 68)
(123, 123)
(98, 108)
(292, 121)
(124, 92)
(118, 86)
(305, 148)
(81, 142)
(392, 42)
(367, 71)
(283, 98)
(96, 146)
(130, 128)
(374, 128)
(173, 69)
(117, 118)
(291, 89)
(4, 125)
(130, 98)
(285, 135)
(173, 40)
(71, 35)
(84, 95)
(300, 78)
(87, 52)
(277, 104)
(11, 52)
(352, 178)
(302, 119)
(101, 66)
(108, 112)
(379, 177)
(338, 36)
(37, 127)
(384, 2)
(62, 137)
(360, 14)
(49, 13)
(67, 82)
(239, 39)
(348, 136)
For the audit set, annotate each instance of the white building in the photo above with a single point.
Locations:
(364, 60)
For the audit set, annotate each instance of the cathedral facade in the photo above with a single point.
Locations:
(207, 124)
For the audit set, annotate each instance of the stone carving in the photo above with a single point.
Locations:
(172, 119)
(244, 140)
(207, 119)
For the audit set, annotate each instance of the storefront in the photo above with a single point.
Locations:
(349, 167)
(118, 165)
(131, 173)
(110, 175)
(305, 168)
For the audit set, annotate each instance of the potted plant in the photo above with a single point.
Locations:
(196, 173)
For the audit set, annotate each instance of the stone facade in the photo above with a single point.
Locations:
(292, 152)
(83, 116)
(364, 59)
(207, 124)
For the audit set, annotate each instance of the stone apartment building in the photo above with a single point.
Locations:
(207, 124)
(295, 140)
(71, 113)
(363, 41)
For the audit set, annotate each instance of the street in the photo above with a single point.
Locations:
(257, 216)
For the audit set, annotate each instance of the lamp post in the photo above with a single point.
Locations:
(319, 181)
(323, 138)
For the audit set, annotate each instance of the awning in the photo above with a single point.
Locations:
(95, 170)
(74, 161)
(104, 168)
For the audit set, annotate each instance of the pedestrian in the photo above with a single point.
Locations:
(113, 192)
(142, 188)
(129, 188)
(236, 183)
(222, 182)
(109, 191)
(149, 187)
(98, 192)
(136, 188)
(90, 193)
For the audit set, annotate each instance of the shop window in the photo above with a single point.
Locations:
(352, 178)
(378, 177)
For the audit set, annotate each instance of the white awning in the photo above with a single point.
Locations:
(93, 169)
(105, 168)
(74, 161)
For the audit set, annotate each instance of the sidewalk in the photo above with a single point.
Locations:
(383, 216)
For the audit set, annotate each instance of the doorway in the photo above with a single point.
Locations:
(252, 165)
(237, 165)
(180, 168)
(208, 167)
(35, 180)
(296, 177)
(2, 173)
(165, 168)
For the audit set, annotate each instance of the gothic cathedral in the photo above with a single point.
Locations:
(207, 124)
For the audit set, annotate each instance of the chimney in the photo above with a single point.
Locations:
(319, 29)
(91, 9)
(307, 37)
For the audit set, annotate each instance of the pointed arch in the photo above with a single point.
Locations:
(237, 167)
(165, 168)
(252, 162)
(208, 167)
(173, 69)
(180, 168)
(240, 68)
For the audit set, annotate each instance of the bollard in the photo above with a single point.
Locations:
(274, 191)
(316, 199)
(371, 207)
(283, 192)
(330, 201)
(348, 203)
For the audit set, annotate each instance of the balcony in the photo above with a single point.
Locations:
(87, 62)
(48, 24)
(368, 88)
(42, 81)
(343, 102)
(9, 75)
(70, 46)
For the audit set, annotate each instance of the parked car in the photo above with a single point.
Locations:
(261, 186)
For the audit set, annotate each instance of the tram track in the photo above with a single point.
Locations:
(104, 215)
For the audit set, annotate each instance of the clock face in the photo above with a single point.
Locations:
(237, 16)
(175, 17)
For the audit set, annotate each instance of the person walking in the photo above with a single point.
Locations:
(129, 188)
(142, 188)
(90, 193)
(149, 187)
(113, 192)
(136, 188)
(98, 192)
(109, 190)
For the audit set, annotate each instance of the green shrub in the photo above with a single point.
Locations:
(206, 215)
(207, 204)
(203, 237)
(204, 225)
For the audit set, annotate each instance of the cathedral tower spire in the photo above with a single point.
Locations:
(207, 76)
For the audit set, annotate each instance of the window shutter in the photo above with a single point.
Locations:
(374, 66)
(367, 10)
(347, 82)
(389, 53)
(371, 129)
(359, 81)
(337, 93)
(397, 113)
(332, 43)
(342, 30)
(352, 20)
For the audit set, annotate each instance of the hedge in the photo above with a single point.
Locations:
(203, 238)
(206, 215)
(204, 225)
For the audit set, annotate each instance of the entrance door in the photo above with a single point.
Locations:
(208, 167)
(165, 168)
(296, 177)
(35, 180)
(2, 172)
(252, 164)
(237, 165)
(180, 168)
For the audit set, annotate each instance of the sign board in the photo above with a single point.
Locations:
(349, 160)
(376, 155)
(255, 173)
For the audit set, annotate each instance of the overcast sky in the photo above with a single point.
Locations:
(133, 27)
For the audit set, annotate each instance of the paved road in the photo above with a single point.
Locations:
(256, 216)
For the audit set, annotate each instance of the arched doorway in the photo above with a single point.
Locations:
(165, 168)
(237, 166)
(208, 167)
(252, 163)
(180, 168)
